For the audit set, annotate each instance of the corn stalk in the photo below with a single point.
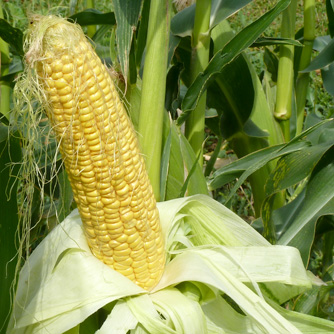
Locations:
(152, 105)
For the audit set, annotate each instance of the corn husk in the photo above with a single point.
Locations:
(211, 254)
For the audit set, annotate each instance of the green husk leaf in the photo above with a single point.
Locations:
(232, 259)
(119, 321)
(80, 279)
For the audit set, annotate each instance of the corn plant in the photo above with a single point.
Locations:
(112, 265)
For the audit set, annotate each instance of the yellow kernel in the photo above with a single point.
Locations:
(89, 129)
(115, 225)
(87, 179)
(105, 191)
(65, 59)
(110, 211)
(101, 173)
(96, 220)
(110, 202)
(56, 75)
(118, 176)
(150, 283)
(139, 254)
(69, 104)
(149, 244)
(100, 234)
(100, 163)
(97, 69)
(97, 103)
(67, 68)
(122, 191)
(84, 117)
(122, 247)
(142, 277)
(123, 253)
(136, 244)
(93, 141)
(90, 232)
(103, 238)
(154, 265)
(102, 226)
(130, 176)
(116, 231)
(97, 147)
(91, 199)
(130, 231)
(124, 270)
(125, 261)
(68, 77)
(126, 156)
(93, 193)
(84, 215)
(57, 66)
(97, 204)
(95, 97)
(127, 216)
(133, 239)
(108, 252)
(126, 202)
(87, 174)
(96, 211)
(122, 238)
(64, 91)
(156, 275)
(140, 265)
(92, 90)
(141, 226)
(129, 225)
(113, 243)
(139, 214)
(47, 69)
(103, 84)
(103, 185)
(112, 218)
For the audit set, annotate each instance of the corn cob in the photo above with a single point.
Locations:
(100, 151)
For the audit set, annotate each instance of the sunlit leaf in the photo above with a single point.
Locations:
(318, 201)
(325, 57)
(127, 15)
(238, 44)
(88, 285)
(183, 22)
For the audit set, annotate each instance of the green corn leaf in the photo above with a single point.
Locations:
(264, 41)
(324, 58)
(176, 170)
(127, 15)
(93, 17)
(10, 152)
(196, 183)
(12, 36)
(318, 201)
(183, 22)
(232, 49)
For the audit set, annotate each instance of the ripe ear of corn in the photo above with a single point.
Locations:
(100, 151)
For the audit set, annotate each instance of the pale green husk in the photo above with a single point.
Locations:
(212, 253)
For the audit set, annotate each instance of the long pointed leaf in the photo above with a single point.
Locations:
(127, 15)
(238, 44)
(10, 152)
(318, 201)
